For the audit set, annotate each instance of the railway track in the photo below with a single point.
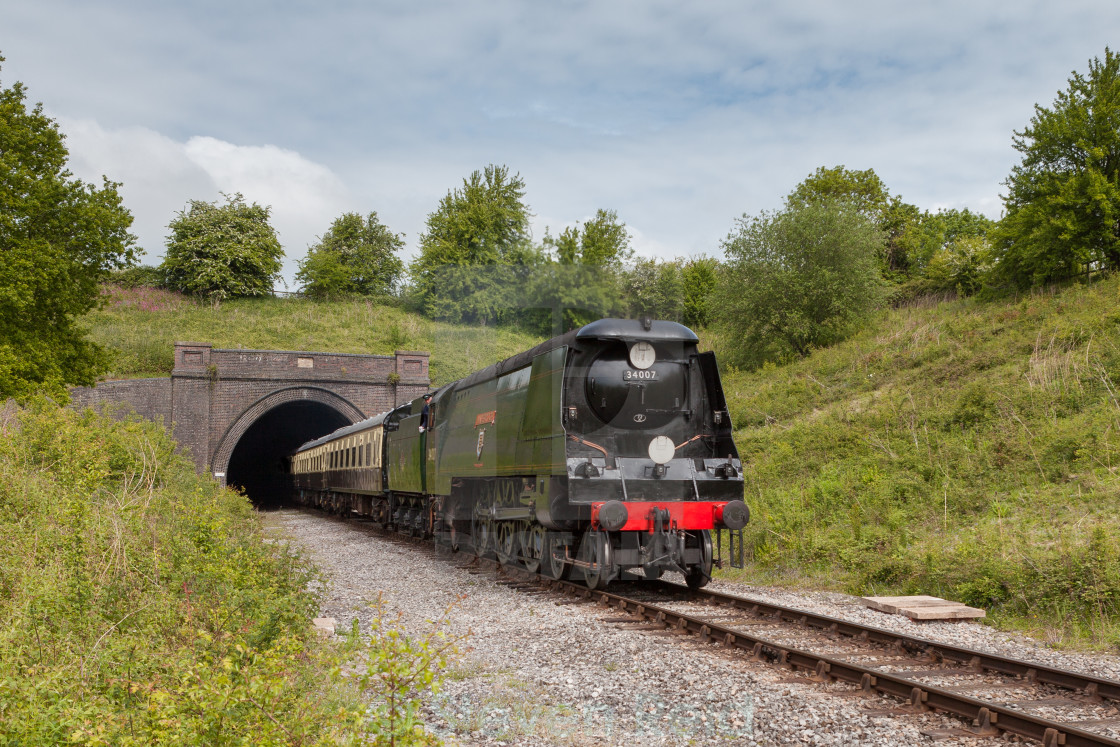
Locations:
(995, 694)
(924, 674)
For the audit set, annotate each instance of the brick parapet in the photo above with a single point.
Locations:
(148, 398)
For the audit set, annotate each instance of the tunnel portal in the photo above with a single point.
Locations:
(257, 464)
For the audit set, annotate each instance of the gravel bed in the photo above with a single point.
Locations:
(537, 672)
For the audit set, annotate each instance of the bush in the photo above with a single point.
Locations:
(141, 605)
(138, 276)
(219, 251)
(356, 256)
(797, 280)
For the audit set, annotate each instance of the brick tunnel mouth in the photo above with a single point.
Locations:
(258, 464)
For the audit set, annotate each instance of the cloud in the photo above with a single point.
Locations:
(160, 176)
(680, 116)
(305, 196)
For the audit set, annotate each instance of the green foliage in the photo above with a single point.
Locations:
(355, 257)
(60, 239)
(476, 249)
(796, 280)
(866, 193)
(138, 276)
(576, 282)
(222, 251)
(965, 449)
(700, 275)
(139, 603)
(962, 266)
(912, 238)
(654, 288)
(1063, 202)
(398, 669)
(862, 189)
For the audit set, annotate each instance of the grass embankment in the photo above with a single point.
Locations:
(966, 449)
(140, 604)
(141, 326)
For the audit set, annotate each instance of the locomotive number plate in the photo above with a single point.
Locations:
(646, 375)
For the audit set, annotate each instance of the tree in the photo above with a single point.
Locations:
(356, 256)
(602, 243)
(863, 189)
(473, 248)
(655, 289)
(699, 276)
(865, 192)
(59, 238)
(961, 265)
(948, 251)
(579, 281)
(797, 279)
(219, 251)
(1062, 209)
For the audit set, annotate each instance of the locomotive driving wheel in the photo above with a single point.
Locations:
(505, 544)
(480, 534)
(596, 550)
(551, 566)
(532, 547)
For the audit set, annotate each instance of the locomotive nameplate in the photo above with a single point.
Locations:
(646, 375)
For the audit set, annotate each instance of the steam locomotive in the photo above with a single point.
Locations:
(601, 454)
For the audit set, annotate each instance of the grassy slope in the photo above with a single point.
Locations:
(142, 325)
(140, 604)
(964, 449)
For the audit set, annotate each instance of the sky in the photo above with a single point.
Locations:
(681, 116)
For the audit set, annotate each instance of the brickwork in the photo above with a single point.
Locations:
(213, 396)
(149, 398)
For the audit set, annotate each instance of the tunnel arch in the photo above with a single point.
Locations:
(250, 453)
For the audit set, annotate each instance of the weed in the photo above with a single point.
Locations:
(140, 603)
